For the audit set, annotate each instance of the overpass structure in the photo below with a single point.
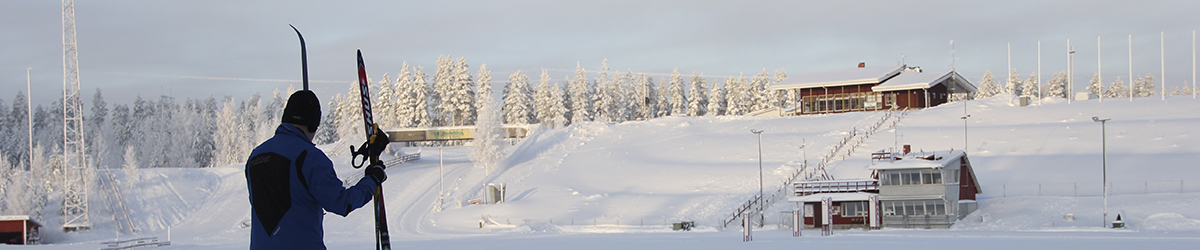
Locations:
(451, 133)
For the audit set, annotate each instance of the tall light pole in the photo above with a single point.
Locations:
(1104, 164)
(1131, 81)
(761, 210)
(1070, 71)
(964, 118)
(29, 116)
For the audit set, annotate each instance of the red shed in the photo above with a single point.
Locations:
(19, 230)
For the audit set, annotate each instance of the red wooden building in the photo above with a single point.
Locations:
(19, 230)
(870, 88)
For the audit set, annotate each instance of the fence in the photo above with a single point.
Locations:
(584, 224)
(1081, 189)
(134, 243)
(919, 221)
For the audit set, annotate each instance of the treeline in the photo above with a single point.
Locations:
(1143, 86)
(204, 132)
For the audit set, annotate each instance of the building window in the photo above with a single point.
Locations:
(914, 208)
(854, 209)
(912, 177)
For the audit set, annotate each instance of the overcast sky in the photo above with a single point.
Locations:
(194, 49)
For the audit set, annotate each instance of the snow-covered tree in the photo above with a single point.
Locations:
(457, 95)
(1145, 86)
(228, 137)
(518, 102)
(987, 86)
(716, 100)
(760, 99)
(485, 149)
(664, 99)
(1183, 90)
(7, 177)
(1057, 87)
(645, 97)
(17, 129)
(1030, 87)
(405, 103)
(581, 97)
(543, 99)
(1117, 89)
(698, 96)
(678, 99)
(781, 97)
(558, 112)
(424, 113)
(442, 86)
(327, 131)
(385, 106)
(131, 166)
(609, 105)
(598, 91)
(94, 134)
(1096, 87)
(740, 96)
(1013, 85)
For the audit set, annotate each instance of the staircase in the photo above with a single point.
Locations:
(840, 151)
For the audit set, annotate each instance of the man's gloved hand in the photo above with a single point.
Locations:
(375, 171)
(381, 142)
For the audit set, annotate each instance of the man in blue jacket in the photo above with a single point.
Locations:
(292, 183)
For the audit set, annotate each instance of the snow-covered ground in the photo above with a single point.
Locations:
(618, 186)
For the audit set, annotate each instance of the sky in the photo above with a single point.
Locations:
(197, 49)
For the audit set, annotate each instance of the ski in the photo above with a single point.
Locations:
(382, 240)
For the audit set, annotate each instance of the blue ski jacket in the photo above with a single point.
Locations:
(291, 185)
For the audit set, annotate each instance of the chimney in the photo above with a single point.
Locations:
(907, 149)
(862, 65)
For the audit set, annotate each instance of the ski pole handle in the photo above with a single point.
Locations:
(361, 151)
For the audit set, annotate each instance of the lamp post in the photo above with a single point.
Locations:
(761, 210)
(1104, 164)
(1070, 71)
(964, 118)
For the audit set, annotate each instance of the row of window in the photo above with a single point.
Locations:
(855, 209)
(917, 177)
(843, 102)
(914, 208)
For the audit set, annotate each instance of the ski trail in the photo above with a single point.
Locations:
(227, 207)
(412, 193)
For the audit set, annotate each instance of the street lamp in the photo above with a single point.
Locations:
(1104, 163)
(761, 216)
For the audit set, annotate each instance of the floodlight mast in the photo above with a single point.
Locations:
(1104, 164)
(761, 199)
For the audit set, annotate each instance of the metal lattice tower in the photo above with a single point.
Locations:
(75, 207)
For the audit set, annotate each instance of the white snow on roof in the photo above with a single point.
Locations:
(13, 217)
(835, 196)
(916, 160)
(839, 77)
(921, 80)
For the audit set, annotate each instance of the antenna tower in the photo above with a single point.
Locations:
(75, 207)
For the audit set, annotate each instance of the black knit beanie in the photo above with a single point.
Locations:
(303, 108)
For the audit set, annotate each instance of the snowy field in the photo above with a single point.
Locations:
(606, 186)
